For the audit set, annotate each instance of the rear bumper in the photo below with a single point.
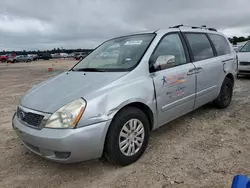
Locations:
(65, 146)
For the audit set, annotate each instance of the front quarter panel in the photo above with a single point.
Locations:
(104, 104)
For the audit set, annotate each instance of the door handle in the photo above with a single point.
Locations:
(198, 70)
(195, 71)
(191, 72)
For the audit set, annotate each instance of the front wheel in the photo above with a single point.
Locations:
(127, 137)
(226, 93)
(3, 60)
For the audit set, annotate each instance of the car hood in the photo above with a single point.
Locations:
(244, 56)
(66, 87)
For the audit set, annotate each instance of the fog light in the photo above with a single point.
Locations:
(62, 155)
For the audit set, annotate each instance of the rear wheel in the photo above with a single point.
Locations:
(3, 60)
(127, 137)
(226, 93)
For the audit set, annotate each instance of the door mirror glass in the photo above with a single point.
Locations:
(164, 62)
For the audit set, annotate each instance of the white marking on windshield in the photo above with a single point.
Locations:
(133, 42)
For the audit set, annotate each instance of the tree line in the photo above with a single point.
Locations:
(234, 40)
(40, 52)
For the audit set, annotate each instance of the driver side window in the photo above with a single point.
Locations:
(170, 46)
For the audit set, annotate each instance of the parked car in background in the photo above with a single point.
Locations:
(23, 58)
(244, 60)
(45, 56)
(34, 57)
(237, 47)
(64, 55)
(108, 105)
(11, 57)
(55, 55)
(80, 55)
(71, 55)
(3, 58)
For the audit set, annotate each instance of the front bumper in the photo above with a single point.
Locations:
(64, 145)
(244, 69)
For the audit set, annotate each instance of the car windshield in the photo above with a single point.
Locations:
(119, 54)
(246, 47)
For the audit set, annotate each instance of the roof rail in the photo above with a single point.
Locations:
(194, 27)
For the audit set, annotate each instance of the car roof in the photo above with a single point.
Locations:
(174, 29)
(187, 29)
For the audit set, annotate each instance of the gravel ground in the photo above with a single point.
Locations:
(205, 148)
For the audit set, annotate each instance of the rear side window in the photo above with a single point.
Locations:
(220, 43)
(200, 46)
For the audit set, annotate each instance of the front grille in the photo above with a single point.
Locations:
(29, 118)
(244, 63)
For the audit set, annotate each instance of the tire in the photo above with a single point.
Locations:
(3, 60)
(112, 151)
(14, 61)
(226, 93)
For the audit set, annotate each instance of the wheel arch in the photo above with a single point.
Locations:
(140, 105)
(145, 109)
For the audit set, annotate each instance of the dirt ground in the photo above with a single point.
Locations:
(205, 148)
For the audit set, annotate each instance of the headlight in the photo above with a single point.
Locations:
(67, 116)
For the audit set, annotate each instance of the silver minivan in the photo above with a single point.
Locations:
(109, 102)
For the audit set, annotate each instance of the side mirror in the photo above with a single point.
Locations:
(163, 62)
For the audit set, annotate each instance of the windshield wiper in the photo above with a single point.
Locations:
(89, 70)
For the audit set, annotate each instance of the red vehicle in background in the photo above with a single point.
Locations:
(8, 58)
(3, 58)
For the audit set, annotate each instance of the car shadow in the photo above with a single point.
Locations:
(243, 77)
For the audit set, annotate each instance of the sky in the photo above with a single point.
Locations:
(48, 24)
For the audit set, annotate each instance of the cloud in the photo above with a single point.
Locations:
(30, 24)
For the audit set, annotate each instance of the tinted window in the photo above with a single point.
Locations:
(200, 46)
(220, 43)
(171, 45)
(246, 47)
